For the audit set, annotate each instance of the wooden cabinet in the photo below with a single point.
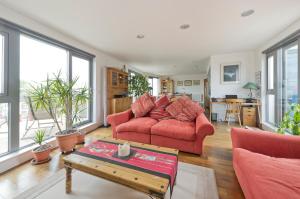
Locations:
(167, 86)
(117, 91)
(249, 116)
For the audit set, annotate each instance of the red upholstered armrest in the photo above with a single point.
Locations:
(118, 118)
(203, 126)
(267, 143)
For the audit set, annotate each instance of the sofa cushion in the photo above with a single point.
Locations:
(138, 125)
(263, 176)
(162, 101)
(175, 129)
(142, 105)
(184, 109)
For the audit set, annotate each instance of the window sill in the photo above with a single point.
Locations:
(269, 127)
(14, 159)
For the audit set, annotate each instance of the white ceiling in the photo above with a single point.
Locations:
(112, 25)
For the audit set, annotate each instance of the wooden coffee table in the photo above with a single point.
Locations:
(153, 185)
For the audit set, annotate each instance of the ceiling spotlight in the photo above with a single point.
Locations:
(140, 36)
(184, 26)
(247, 13)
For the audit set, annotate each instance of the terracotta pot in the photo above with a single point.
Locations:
(41, 156)
(80, 138)
(67, 142)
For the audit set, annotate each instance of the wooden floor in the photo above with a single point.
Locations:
(217, 155)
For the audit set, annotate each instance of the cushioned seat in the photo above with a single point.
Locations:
(138, 125)
(175, 129)
(267, 177)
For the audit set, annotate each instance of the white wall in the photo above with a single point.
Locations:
(196, 91)
(101, 60)
(219, 90)
(261, 62)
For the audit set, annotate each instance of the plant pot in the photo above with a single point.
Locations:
(41, 155)
(67, 141)
(80, 138)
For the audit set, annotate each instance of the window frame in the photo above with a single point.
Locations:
(12, 84)
(5, 64)
(277, 51)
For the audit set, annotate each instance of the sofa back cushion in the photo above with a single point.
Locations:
(142, 105)
(184, 109)
(159, 112)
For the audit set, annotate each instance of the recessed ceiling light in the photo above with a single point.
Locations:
(247, 13)
(140, 36)
(184, 26)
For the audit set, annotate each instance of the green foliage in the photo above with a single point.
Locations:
(138, 85)
(60, 97)
(291, 121)
(39, 136)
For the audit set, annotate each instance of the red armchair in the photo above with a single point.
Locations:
(267, 164)
(185, 136)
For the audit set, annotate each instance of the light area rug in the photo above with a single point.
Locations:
(193, 182)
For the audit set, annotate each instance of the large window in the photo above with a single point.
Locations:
(153, 82)
(27, 58)
(282, 80)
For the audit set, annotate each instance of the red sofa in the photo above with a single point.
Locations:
(185, 136)
(266, 164)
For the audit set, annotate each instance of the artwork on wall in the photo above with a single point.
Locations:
(196, 82)
(188, 82)
(230, 73)
(179, 83)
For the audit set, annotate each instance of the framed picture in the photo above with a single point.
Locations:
(196, 82)
(230, 73)
(188, 82)
(179, 83)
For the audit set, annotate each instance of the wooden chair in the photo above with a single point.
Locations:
(233, 108)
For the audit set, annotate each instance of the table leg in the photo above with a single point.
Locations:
(68, 179)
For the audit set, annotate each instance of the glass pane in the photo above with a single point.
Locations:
(37, 60)
(155, 86)
(271, 72)
(1, 63)
(291, 77)
(81, 70)
(3, 128)
(150, 82)
(271, 109)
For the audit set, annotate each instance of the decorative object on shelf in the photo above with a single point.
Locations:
(179, 83)
(251, 86)
(41, 154)
(188, 82)
(291, 121)
(60, 97)
(230, 73)
(138, 85)
(196, 82)
(124, 68)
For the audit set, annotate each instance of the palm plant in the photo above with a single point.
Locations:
(39, 136)
(60, 97)
(138, 85)
(291, 121)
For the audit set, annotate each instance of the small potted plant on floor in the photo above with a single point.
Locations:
(40, 153)
(60, 97)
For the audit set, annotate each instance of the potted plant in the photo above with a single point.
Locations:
(291, 121)
(40, 153)
(60, 97)
(138, 85)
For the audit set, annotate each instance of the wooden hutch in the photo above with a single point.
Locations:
(167, 86)
(117, 91)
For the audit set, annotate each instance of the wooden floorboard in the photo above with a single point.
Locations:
(217, 155)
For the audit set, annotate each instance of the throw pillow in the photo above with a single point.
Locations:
(142, 105)
(184, 109)
(159, 112)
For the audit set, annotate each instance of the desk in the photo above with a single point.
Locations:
(257, 104)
